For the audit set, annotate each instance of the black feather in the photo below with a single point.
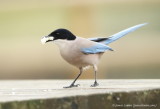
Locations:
(99, 39)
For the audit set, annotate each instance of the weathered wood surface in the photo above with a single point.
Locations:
(50, 94)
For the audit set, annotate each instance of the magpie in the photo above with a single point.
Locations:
(83, 52)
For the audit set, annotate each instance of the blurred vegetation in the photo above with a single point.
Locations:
(23, 23)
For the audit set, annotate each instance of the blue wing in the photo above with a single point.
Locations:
(97, 48)
(117, 35)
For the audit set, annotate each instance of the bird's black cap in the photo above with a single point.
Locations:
(62, 34)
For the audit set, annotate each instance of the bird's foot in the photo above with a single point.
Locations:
(95, 84)
(72, 85)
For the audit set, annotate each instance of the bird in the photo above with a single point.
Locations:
(83, 52)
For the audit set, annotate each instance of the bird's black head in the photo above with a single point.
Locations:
(63, 34)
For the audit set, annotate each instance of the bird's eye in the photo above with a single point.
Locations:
(57, 33)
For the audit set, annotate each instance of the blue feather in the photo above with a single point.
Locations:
(97, 48)
(117, 35)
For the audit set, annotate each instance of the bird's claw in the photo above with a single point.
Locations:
(72, 85)
(95, 84)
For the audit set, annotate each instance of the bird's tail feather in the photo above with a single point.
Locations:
(122, 33)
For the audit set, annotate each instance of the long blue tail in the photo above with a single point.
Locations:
(117, 35)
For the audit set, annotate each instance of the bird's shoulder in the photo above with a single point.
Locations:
(84, 42)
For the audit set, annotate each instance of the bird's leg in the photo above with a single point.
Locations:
(72, 84)
(95, 72)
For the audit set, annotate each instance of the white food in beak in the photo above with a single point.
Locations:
(45, 39)
(50, 38)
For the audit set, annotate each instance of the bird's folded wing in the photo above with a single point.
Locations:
(117, 35)
(97, 48)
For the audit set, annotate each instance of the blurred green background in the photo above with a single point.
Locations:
(24, 22)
